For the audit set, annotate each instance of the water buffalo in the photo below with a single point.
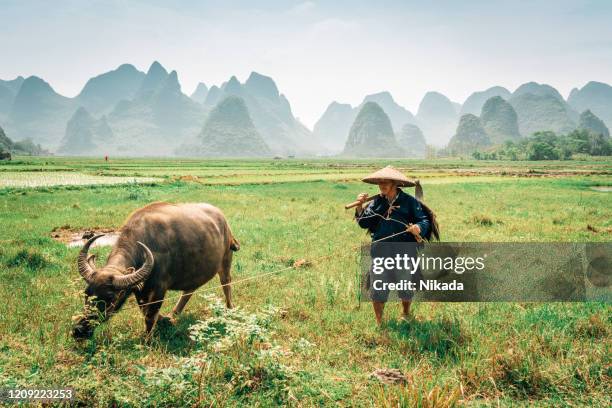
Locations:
(173, 247)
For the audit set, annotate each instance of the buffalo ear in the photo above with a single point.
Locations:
(234, 245)
(91, 260)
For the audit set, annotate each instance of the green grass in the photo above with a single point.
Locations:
(320, 345)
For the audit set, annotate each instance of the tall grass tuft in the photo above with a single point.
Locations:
(28, 258)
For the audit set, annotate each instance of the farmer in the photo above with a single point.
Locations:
(393, 216)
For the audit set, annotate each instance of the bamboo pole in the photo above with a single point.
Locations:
(356, 203)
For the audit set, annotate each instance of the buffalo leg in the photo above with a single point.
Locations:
(180, 305)
(150, 310)
(226, 279)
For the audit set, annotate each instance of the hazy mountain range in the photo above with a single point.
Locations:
(470, 136)
(332, 129)
(372, 135)
(229, 123)
(23, 147)
(531, 108)
(142, 114)
(270, 112)
(133, 113)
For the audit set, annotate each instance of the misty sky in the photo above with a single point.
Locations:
(316, 52)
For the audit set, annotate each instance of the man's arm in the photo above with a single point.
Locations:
(367, 218)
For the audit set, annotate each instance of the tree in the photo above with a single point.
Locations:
(599, 145)
(537, 150)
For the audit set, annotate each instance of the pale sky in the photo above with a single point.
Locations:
(316, 51)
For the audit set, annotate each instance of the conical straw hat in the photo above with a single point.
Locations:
(389, 173)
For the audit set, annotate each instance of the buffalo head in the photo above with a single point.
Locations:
(107, 287)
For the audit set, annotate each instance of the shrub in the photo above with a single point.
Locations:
(482, 220)
(136, 192)
(28, 258)
(235, 352)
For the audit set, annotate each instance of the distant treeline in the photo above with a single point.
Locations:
(24, 147)
(549, 146)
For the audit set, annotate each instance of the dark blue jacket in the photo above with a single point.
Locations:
(407, 209)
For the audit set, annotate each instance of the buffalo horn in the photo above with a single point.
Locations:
(125, 281)
(86, 269)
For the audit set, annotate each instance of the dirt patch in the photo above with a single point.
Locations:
(194, 179)
(603, 189)
(592, 228)
(73, 237)
(389, 376)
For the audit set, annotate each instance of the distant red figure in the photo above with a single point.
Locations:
(105, 158)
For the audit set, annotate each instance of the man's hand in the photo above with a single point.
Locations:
(361, 198)
(414, 229)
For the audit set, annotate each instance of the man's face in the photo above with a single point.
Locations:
(386, 187)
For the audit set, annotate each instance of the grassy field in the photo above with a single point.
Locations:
(299, 337)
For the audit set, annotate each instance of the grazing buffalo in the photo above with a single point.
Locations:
(160, 247)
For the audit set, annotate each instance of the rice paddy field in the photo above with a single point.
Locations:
(299, 336)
